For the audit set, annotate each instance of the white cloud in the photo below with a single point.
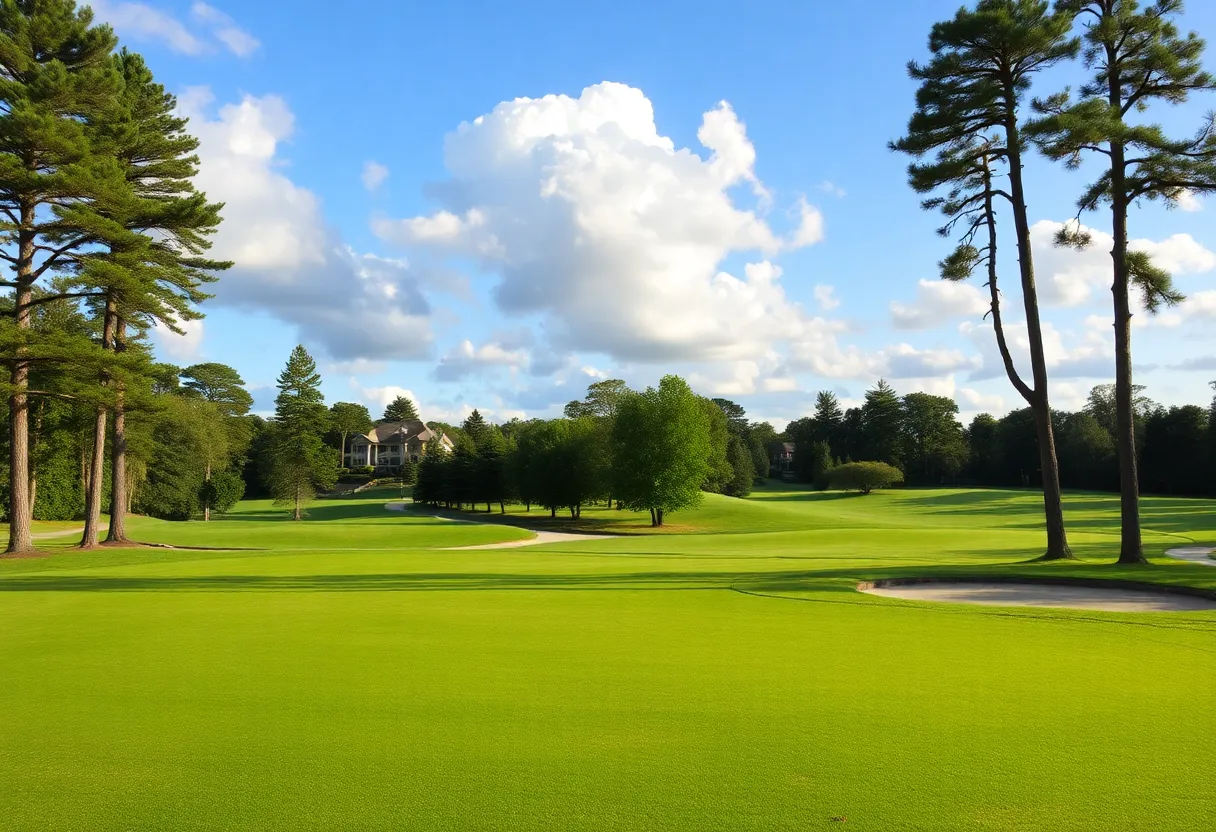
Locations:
(374, 174)
(832, 189)
(826, 295)
(184, 348)
(1066, 277)
(142, 22)
(938, 302)
(465, 360)
(378, 398)
(983, 402)
(225, 30)
(1088, 354)
(288, 260)
(593, 220)
(1187, 201)
(905, 361)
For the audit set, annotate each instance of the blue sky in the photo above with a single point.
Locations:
(701, 188)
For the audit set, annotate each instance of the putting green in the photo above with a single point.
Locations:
(725, 674)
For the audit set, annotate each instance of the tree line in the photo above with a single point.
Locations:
(920, 434)
(971, 135)
(655, 450)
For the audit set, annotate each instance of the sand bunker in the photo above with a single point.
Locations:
(1045, 595)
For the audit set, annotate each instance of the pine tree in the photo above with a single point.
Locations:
(882, 420)
(300, 462)
(151, 269)
(827, 419)
(55, 81)
(400, 409)
(1138, 58)
(968, 118)
(475, 427)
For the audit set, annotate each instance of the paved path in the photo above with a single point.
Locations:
(541, 537)
(1195, 554)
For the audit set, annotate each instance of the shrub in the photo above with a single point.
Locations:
(864, 476)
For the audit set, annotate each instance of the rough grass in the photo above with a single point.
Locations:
(347, 673)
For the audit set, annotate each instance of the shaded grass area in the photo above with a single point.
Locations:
(351, 674)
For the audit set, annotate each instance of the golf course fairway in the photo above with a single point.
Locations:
(351, 671)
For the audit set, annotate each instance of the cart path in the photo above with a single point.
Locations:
(541, 537)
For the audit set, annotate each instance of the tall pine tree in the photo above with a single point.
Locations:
(56, 80)
(400, 409)
(1138, 58)
(300, 462)
(968, 119)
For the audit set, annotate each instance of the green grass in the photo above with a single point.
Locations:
(348, 673)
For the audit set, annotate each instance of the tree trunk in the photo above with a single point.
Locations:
(659, 514)
(1131, 549)
(207, 506)
(97, 466)
(35, 436)
(654, 518)
(502, 508)
(119, 501)
(1053, 505)
(296, 514)
(553, 513)
(20, 538)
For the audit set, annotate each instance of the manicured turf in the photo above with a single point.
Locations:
(350, 674)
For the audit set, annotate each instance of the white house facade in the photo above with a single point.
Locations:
(390, 444)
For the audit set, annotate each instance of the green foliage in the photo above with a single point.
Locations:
(743, 475)
(935, 449)
(662, 449)
(223, 491)
(601, 400)
(864, 476)
(399, 409)
(300, 463)
(720, 473)
(882, 425)
(475, 427)
(219, 384)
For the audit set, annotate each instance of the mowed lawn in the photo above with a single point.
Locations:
(349, 672)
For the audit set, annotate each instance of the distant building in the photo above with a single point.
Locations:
(781, 460)
(391, 444)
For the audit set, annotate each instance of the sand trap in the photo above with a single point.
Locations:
(1046, 595)
(1195, 554)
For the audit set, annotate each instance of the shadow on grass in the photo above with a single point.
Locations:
(842, 580)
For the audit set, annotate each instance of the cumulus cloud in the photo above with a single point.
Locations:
(378, 398)
(288, 261)
(1088, 354)
(905, 361)
(981, 402)
(1066, 277)
(184, 348)
(1187, 201)
(465, 360)
(826, 295)
(374, 174)
(212, 28)
(938, 302)
(613, 235)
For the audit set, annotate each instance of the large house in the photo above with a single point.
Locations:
(781, 460)
(390, 444)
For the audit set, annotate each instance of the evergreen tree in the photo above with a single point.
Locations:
(968, 117)
(219, 384)
(743, 475)
(475, 427)
(56, 80)
(1138, 58)
(719, 473)
(827, 419)
(400, 409)
(882, 424)
(300, 462)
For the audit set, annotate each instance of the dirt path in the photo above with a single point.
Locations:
(1047, 595)
(61, 533)
(1194, 554)
(541, 537)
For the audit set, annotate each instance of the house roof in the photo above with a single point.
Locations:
(780, 447)
(401, 432)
